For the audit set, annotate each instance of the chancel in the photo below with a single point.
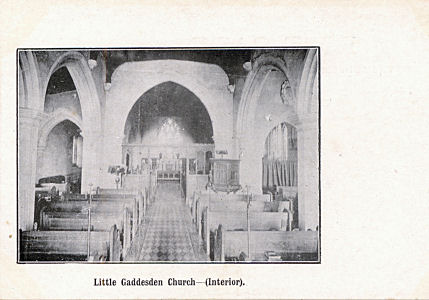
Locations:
(168, 155)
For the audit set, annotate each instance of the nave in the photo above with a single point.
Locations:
(159, 223)
(162, 155)
(169, 234)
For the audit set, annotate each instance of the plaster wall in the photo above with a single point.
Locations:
(67, 100)
(57, 157)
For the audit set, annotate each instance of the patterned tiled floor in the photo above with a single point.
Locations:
(169, 234)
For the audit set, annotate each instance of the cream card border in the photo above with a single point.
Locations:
(374, 150)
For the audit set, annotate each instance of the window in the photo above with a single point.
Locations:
(77, 151)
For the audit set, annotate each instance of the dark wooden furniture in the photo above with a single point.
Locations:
(225, 174)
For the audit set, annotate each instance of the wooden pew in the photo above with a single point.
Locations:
(125, 213)
(231, 202)
(291, 245)
(194, 183)
(101, 204)
(75, 197)
(69, 245)
(237, 220)
(111, 211)
(113, 196)
(115, 244)
(75, 221)
(80, 203)
(133, 210)
(290, 195)
(119, 213)
(193, 205)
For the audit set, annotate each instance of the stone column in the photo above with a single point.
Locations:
(251, 166)
(90, 166)
(29, 121)
(40, 156)
(308, 175)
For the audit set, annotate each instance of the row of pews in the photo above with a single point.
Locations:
(99, 227)
(236, 227)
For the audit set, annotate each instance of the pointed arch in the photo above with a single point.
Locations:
(54, 119)
(29, 80)
(83, 80)
(78, 68)
(251, 138)
(255, 80)
(308, 83)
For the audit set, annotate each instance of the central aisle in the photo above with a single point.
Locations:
(169, 234)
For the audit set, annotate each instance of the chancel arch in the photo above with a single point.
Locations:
(167, 127)
(133, 79)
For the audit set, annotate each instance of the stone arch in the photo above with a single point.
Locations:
(251, 146)
(255, 80)
(22, 90)
(309, 82)
(80, 72)
(176, 85)
(179, 72)
(29, 81)
(54, 119)
(308, 143)
(78, 68)
(303, 115)
(131, 80)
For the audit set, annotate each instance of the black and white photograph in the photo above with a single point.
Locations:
(182, 149)
(185, 155)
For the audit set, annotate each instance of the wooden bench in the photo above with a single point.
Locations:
(115, 192)
(69, 245)
(126, 213)
(290, 245)
(290, 194)
(105, 207)
(237, 220)
(113, 196)
(195, 184)
(75, 221)
(75, 197)
(224, 202)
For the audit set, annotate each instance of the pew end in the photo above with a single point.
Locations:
(289, 245)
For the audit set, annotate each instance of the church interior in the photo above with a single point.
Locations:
(200, 155)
